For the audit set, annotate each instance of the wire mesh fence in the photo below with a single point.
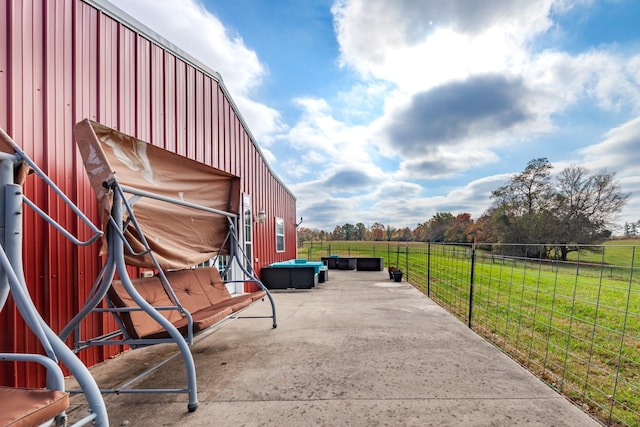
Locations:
(570, 314)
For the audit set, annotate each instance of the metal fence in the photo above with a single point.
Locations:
(575, 323)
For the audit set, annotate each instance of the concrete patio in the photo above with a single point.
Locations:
(359, 350)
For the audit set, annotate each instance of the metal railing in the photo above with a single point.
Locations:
(575, 323)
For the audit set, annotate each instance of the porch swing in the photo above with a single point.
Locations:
(36, 406)
(168, 214)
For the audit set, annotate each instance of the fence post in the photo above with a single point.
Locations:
(429, 269)
(473, 268)
(389, 252)
(406, 260)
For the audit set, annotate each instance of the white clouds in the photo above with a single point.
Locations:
(478, 115)
(470, 80)
(616, 80)
(446, 163)
(619, 151)
(363, 102)
(459, 81)
(390, 41)
(402, 204)
(319, 132)
(394, 40)
(262, 120)
(188, 25)
(608, 78)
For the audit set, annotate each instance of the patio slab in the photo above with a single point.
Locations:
(359, 350)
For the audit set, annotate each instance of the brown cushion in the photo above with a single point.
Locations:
(255, 296)
(200, 291)
(201, 320)
(29, 407)
(139, 323)
(218, 293)
(207, 317)
(212, 284)
(235, 303)
(188, 289)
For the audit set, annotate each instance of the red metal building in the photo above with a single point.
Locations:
(65, 60)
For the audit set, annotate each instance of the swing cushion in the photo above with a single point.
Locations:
(215, 289)
(138, 323)
(189, 291)
(30, 407)
(200, 291)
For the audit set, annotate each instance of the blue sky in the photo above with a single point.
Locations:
(391, 111)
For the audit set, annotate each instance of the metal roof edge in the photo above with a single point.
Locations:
(138, 27)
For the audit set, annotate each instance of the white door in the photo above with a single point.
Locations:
(246, 242)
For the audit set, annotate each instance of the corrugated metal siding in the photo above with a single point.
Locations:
(6, 317)
(65, 60)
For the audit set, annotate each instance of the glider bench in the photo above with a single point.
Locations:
(200, 291)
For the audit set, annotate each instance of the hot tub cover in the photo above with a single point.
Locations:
(179, 236)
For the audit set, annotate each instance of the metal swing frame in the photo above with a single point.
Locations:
(117, 245)
(12, 281)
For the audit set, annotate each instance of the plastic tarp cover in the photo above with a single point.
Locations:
(179, 236)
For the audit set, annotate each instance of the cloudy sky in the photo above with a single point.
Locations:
(390, 111)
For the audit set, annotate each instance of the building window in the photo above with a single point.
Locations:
(279, 235)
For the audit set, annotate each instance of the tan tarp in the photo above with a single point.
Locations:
(180, 237)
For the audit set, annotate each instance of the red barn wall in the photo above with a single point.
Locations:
(65, 60)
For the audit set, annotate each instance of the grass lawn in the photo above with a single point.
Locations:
(613, 253)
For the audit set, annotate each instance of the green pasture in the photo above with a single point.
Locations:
(614, 253)
(575, 324)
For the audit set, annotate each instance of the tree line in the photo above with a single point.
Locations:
(631, 229)
(574, 207)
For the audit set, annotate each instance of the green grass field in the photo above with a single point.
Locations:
(575, 324)
(615, 252)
